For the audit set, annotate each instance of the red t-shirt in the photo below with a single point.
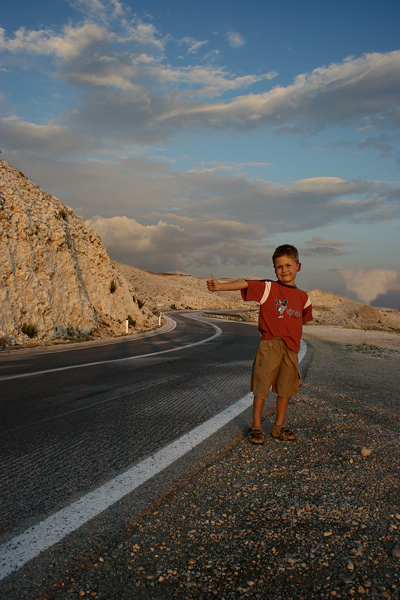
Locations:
(283, 310)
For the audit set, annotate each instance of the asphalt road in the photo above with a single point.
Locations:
(73, 419)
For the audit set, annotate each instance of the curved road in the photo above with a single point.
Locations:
(73, 419)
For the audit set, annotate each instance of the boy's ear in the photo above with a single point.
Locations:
(298, 267)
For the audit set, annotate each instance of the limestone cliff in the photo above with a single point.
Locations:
(56, 277)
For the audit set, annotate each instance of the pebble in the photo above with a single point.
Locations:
(366, 452)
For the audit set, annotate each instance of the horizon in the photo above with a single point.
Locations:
(198, 137)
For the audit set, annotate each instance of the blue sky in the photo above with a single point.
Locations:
(198, 136)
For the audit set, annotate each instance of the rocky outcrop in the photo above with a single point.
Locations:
(56, 278)
(173, 291)
(331, 309)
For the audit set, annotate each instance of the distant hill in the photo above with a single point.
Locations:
(178, 291)
(331, 309)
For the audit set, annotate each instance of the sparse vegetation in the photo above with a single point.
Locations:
(131, 322)
(139, 302)
(113, 286)
(3, 343)
(62, 213)
(75, 335)
(29, 329)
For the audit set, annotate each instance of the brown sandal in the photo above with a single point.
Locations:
(283, 433)
(256, 436)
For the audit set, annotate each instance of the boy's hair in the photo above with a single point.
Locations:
(286, 250)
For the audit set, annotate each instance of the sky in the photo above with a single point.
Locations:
(197, 136)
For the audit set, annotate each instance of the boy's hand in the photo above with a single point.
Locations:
(212, 284)
(227, 286)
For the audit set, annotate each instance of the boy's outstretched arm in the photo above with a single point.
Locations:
(229, 286)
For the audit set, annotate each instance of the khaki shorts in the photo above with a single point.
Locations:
(277, 366)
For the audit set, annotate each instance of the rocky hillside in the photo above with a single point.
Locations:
(167, 291)
(331, 309)
(56, 278)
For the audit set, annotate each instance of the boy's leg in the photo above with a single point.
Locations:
(256, 434)
(281, 407)
(258, 407)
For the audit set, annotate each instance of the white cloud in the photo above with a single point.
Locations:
(126, 85)
(138, 244)
(76, 40)
(318, 246)
(352, 90)
(130, 59)
(369, 284)
(100, 9)
(71, 43)
(235, 40)
(45, 140)
(145, 34)
(140, 186)
(193, 45)
(197, 81)
(220, 167)
(320, 241)
(165, 245)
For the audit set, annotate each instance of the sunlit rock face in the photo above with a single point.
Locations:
(55, 274)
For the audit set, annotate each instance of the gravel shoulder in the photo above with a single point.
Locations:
(370, 337)
(315, 518)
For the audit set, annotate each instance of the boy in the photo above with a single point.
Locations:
(283, 310)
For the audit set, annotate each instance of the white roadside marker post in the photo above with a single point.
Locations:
(159, 313)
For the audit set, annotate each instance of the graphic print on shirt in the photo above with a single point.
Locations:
(281, 307)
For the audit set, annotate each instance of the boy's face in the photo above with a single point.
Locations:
(286, 269)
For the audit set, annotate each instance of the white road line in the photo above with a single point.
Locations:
(217, 333)
(23, 548)
(34, 540)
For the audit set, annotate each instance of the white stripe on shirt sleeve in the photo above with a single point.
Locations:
(266, 292)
